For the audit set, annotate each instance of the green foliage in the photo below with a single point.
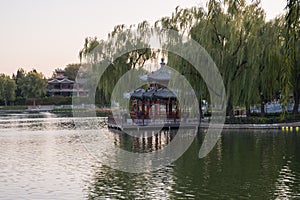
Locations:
(71, 71)
(271, 119)
(244, 47)
(20, 75)
(290, 72)
(13, 108)
(56, 100)
(7, 89)
(109, 53)
(33, 85)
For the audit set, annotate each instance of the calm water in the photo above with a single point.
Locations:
(43, 157)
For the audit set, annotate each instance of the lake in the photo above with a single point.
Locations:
(43, 156)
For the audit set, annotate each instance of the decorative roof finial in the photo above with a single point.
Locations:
(162, 64)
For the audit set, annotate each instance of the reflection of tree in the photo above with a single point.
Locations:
(243, 164)
(110, 183)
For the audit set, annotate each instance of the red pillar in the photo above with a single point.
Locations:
(137, 109)
(143, 107)
(167, 110)
(170, 108)
(148, 108)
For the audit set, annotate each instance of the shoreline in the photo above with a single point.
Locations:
(287, 126)
(282, 126)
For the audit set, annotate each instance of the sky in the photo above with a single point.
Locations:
(48, 34)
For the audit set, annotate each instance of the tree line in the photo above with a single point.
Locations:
(30, 85)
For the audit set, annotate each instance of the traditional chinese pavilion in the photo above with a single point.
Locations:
(156, 102)
(60, 85)
(154, 106)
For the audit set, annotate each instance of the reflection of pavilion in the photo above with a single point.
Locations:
(156, 106)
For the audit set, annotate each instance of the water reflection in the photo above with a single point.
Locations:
(243, 164)
(114, 184)
(42, 165)
(44, 158)
(151, 141)
(285, 181)
(11, 116)
(48, 121)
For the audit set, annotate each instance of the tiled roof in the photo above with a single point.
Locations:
(162, 93)
(165, 93)
(138, 94)
(162, 74)
(55, 81)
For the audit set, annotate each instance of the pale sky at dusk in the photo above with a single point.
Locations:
(48, 34)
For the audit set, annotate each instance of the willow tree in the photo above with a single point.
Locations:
(244, 47)
(119, 52)
(290, 72)
(233, 34)
(181, 22)
(222, 36)
(238, 39)
(260, 79)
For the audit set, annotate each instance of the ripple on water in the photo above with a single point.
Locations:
(43, 165)
(286, 182)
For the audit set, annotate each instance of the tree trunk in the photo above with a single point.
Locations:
(229, 109)
(296, 105)
(5, 101)
(262, 105)
(248, 112)
(33, 102)
(200, 110)
(296, 98)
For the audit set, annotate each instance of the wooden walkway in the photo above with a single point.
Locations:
(139, 125)
(148, 124)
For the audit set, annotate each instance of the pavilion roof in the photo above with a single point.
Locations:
(65, 80)
(148, 94)
(160, 75)
(138, 94)
(56, 81)
(165, 93)
(162, 93)
(53, 81)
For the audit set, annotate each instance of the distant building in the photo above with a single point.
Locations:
(62, 86)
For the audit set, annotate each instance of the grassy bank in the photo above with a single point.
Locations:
(13, 108)
(69, 112)
(268, 119)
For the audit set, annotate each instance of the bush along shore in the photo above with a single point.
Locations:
(69, 112)
(270, 118)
